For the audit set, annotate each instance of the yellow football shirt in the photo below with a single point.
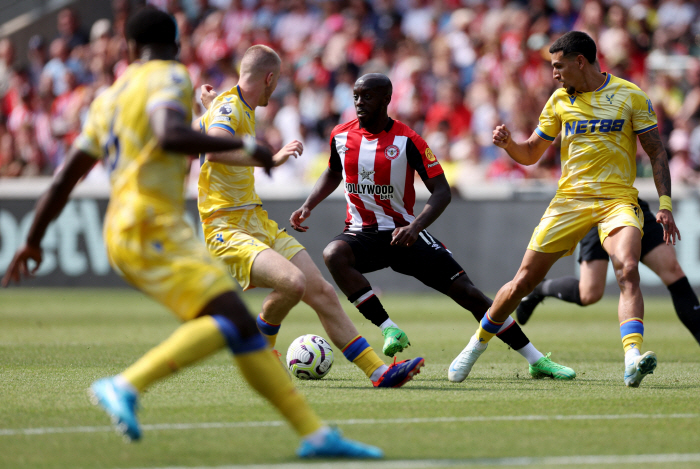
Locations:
(146, 180)
(599, 138)
(223, 187)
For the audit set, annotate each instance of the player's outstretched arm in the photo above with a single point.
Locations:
(440, 197)
(176, 135)
(245, 158)
(526, 153)
(48, 207)
(651, 142)
(324, 187)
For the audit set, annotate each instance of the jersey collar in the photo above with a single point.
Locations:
(240, 95)
(387, 128)
(605, 83)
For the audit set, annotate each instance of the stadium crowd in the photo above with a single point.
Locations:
(457, 67)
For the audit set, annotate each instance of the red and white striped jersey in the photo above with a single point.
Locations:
(378, 170)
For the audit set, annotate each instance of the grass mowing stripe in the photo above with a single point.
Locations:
(431, 463)
(277, 423)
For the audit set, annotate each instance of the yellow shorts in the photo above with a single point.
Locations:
(567, 221)
(237, 236)
(163, 258)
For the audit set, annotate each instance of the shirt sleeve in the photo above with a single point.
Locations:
(421, 158)
(334, 162)
(550, 123)
(173, 90)
(643, 114)
(89, 139)
(223, 115)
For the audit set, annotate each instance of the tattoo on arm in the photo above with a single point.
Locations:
(651, 142)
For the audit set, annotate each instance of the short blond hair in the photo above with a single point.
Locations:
(259, 60)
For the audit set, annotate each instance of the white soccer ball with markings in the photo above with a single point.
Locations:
(310, 357)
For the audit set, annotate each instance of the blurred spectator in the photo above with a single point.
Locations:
(69, 29)
(7, 60)
(37, 57)
(59, 64)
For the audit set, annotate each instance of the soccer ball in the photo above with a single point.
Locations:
(310, 357)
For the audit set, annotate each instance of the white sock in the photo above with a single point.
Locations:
(631, 354)
(474, 343)
(378, 372)
(121, 383)
(387, 323)
(506, 324)
(530, 353)
(318, 437)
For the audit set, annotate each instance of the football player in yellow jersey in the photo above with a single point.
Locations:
(256, 251)
(600, 118)
(142, 125)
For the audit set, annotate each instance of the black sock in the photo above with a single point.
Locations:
(369, 305)
(687, 306)
(565, 288)
(514, 337)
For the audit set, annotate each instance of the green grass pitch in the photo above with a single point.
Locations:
(55, 342)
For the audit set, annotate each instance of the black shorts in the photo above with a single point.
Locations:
(427, 260)
(592, 250)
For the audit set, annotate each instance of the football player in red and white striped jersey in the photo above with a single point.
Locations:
(376, 158)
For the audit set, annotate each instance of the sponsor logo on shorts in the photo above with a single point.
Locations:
(219, 237)
(457, 275)
(384, 191)
(391, 152)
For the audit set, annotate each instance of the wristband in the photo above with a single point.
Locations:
(665, 203)
(249, 145)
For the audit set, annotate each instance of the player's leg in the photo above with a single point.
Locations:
(570, 289)
(624, 246)
(663, 262)
(347, 258)
(321, 296)
(288, 284)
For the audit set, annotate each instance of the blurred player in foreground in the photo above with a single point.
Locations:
(655, 254)
(142, 124)
(601, 117)
(377, 157)
(256, 251)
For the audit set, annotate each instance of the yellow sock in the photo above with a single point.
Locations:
(192, 341)
(265, 374)
(484, 335)
(368, 361)
(632, 340)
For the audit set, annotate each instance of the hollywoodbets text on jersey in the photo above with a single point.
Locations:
(384, 191)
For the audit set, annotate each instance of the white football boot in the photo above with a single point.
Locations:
(637, 369)
(462, 365)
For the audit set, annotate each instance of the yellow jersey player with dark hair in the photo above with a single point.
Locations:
(141, 126)
(599, 117)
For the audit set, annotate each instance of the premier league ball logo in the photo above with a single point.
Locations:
(391, 152)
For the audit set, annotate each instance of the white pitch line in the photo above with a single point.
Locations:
(436, 463)
(279, 423)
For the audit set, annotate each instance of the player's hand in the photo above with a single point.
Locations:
(293, 148)
(19, 266)
(501, 136)
(208, 95)
(298, 218)
(668, 223)
(404, 236)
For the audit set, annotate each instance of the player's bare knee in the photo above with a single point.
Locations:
(627, 273)
(294, 286)
(591, 296)
(521, 286)
(335, 257)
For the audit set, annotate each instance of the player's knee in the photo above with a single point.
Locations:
(628, 272)
(295, 286)
(591, 296)
(521, 286)
(335, 257)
